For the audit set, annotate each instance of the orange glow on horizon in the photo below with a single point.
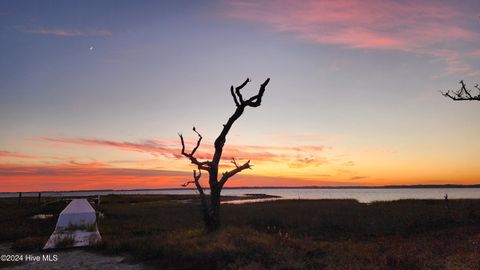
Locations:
(315, 164)
(96, 176)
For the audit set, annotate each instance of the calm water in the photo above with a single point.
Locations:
(362, 195)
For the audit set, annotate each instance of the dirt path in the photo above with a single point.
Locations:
(71, 259)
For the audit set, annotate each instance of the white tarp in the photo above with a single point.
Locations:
(76, 226)
(78, 212)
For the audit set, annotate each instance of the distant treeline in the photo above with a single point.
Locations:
(364, 187)
(272, 187)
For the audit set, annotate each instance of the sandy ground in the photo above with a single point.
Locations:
(70, 259)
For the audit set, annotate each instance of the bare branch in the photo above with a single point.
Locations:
(447, 94)
(237, 90)
(227, 175)
(203, 198)
(234, 96)
(187, 183)
(234, 162)
(198, 142)
(462, 94)
(196, 178)
(256, 100)
(201, 165)
(464, 89)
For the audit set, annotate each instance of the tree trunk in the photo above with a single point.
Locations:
(211, 211)
(205, 210)
(211, 215)
(213, 222)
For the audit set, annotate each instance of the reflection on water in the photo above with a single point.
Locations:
(367, 195)
(252, 200)
(42, 216)
(361, 194)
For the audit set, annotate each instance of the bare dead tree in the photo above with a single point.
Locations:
(463, 93)
(211, 207)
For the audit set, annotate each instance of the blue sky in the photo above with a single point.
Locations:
(360, 79)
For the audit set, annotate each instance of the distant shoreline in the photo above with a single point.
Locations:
(261, 187)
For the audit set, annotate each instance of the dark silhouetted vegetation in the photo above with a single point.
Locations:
(463, 93)
(163, 231)
(211, 207)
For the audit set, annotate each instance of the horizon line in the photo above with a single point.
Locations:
(266, 187)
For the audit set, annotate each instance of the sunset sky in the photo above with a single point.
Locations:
(93, 93)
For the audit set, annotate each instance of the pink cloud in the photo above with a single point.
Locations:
(8, 154)
(296, 155)
(83, 169)
(421, 27)
(15, 178)
(475, 53)
(149, 146)
(76, 176)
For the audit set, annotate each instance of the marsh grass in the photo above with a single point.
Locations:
(291, 234)
(298, 234)
(18, 226)
(64, 241)
(90, 227)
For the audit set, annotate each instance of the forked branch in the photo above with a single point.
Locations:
(253, 101)
(228, 174)
(196, 178)
(234, 162)
(203, 198)
(201, 165)
(463, 93)
(256, 100)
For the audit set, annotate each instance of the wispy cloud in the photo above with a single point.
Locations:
(475, 53)
(429, 28)
(82, 176)
(297, 156)
(148, 146)
(83, 169)
(307, 161)
(65, 32)
(8, 154)
(348, 163)
(358, 177)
